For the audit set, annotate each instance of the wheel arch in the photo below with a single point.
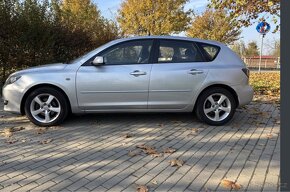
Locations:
(39, 86)
(227, 87)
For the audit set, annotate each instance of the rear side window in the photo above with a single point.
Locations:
(172, 51)
(210, 51)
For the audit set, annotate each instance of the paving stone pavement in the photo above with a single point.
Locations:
(91, 152)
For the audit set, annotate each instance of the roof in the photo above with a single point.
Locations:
(172, 37)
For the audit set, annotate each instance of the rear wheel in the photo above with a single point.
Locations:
(46, 107)
(215, 106)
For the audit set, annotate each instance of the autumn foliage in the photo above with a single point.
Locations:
(266, 86)
(245, 11)
(214, 25)
(156, 17)
(37, 32)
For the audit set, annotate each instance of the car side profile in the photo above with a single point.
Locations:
(138, 74)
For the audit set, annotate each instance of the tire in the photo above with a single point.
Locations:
(46, 106)
(215, 106)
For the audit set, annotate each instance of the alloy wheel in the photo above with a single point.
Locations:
(217, 107)
(45, 108)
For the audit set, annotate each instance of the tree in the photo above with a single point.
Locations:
(239, 48)
(152, 17)
(245, 11)
(245, 51)
(84, 15)
(276, 50)
(273, 47)
(252, 49)
(47, 31)
(214, 25)
(8, 34)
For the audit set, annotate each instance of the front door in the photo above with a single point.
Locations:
(121, 82)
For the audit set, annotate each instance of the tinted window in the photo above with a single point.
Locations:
(133, 52)
(178, 51)
(211, 51)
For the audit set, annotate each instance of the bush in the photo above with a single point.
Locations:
(40, 32)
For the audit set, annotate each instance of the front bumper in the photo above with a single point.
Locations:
(12, 96)
(245, 94)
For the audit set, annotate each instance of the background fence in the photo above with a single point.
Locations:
(267, 62)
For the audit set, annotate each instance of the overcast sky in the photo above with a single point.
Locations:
(109, 10)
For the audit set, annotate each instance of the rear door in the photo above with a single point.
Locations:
(178, 72)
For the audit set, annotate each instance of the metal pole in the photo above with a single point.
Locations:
(261, 51)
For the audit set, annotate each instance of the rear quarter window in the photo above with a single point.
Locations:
(210, 51)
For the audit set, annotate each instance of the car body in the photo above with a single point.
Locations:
(137, 74)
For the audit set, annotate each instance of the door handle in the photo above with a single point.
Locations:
(137, 73)
(195, 72)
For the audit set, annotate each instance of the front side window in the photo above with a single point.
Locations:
(171, 51)
(134, 52)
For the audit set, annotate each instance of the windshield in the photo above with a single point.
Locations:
(80, 58)
(86, 55)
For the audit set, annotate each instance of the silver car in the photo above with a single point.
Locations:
(139, 74)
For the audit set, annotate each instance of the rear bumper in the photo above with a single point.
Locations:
(245, 94)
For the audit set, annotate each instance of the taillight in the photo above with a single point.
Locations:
(246, 71)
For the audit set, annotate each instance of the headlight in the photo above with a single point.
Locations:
(11, 80)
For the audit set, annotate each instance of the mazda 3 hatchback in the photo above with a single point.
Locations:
(139, 74)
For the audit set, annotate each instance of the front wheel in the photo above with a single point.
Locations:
(215, 106)
(46, 107)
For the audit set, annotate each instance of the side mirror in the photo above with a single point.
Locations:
(98, 61)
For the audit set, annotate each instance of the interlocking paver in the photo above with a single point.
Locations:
(90, 153)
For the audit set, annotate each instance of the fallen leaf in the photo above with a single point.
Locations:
(127, 135)
(189, 135)
(142, 188)
(9, 129)
(169, 150)
(11, 140)
(14, 129)
(40, 131)
(46, 141)
(133, 154)
(269, 135)
(230, 184)
(141, 146)
(7, 133)
(176, 162)
(154, 182)
(157, 155)
(264, 114)
(194, 130)
(150, 151)
(146, 147)
(160, 125)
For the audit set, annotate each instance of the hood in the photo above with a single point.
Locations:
(47, 68)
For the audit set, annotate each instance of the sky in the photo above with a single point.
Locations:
(109, 10)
